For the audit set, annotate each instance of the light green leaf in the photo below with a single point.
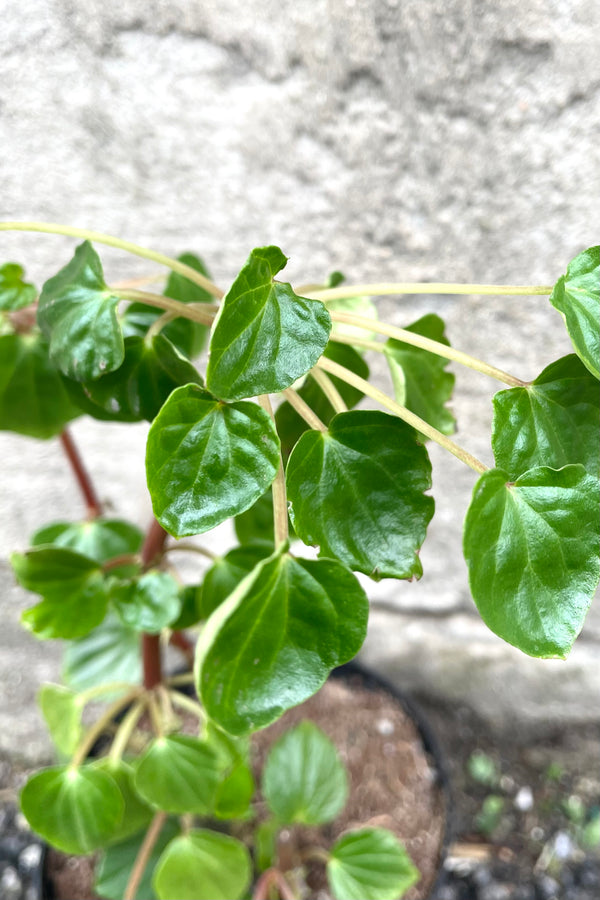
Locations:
(235, 792)
(203, 865)
(226, 573)
(370, 864)
(115, 865)
(265, 337)
(62, 709)
(576, 296)
(148, 603)
(77, 313)
(304, 780)
(207, 460)
(357, 491)
(273, 642)
(98, 539)
(136, 813)
(178, 774)
(111, 652)
(532, 551)
(14, 291)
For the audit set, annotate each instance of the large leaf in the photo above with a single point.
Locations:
(33, 399)
(420, 380)
(62, 709)
(111, 652)
(14, 291)
(265, 337)
(273, 642)
(532, 551)
(203, 865)
(358, 492)
(553, 421)
(98, 539)
(304, 780)
(76, 809)
(178, 774)
(370, 864)
(148, 603)
(226, 573)
(115, 865)
(207, 460)
(77, 313)
(576, 296)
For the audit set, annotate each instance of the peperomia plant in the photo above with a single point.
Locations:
(273, 619)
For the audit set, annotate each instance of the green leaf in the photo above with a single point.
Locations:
(33, 399)
(235, 792)
(62, 709)
(304, 780)
(419, 377)
(77, 313)
(136, 813)
(226, 573)
(553, 421)
(576, 296)
(74, 809)
(178, 774)
(265, 337)
(273, 642)
(207, 460)
(357, 491)
(98, 539)
(532, 551)
(148, 603)
(192, 611)
(265, 844)
(115, 865)
(203, 865)
(370, 864)
(14, 291)
(256, 523)
(111, 652)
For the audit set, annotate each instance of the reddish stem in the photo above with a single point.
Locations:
(179, 640)
(151, 658)
(272, 878)
(94, 506)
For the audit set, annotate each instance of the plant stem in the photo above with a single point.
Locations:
(111, 241)
(433, 287)
(179, 699)
(99, 689)
(280, 509)
(186, 678)
(303, 409)
(419, 424)
(197, 312)
(272, 878)
(329, 389)
(179, 640)
(158, 325)
(151, 659)
(187, 547)
(125, 559)
(94, 506)
(101, 725)
(125, 730)
(141, 860)
(377, 346)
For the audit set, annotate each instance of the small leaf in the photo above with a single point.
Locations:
(148, 603)
(15, 293)
(203, 865)
(111, 652)
(273, 642)
(178, 774)
(226, 573)
(98, 539)
(62, 709)
(358, 492)
(77, 313)
(576, 296)
(136, 813)
(370, 864)
(304, 780)
(532, 551)
(116, 862)
(74, 809)
(207, 460)
(265, 337)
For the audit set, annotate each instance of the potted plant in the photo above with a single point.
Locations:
(275, 619)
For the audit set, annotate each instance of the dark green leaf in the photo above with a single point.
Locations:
(190, 598)
(370, 864)
(207, 460)
(111, 652)
(62, 709)
(532, 551)
(304, 780)
(203, 865)
(148, 603)
(265, 336)
(226, 573)
(116, 863)
(77, 313)
(274, 641)
(420, 380)
(33, 399)
(358, 492)
(178, 774)
(576, 296)
(14, 291)
(553, 421)
(136, 813)
(98, 539)
(256, 524)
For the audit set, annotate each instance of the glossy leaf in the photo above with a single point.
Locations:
(178, 774)
(77, 313)
(420, 380)
(116, 862)
(33, 399)
(74, 809)
(15, 292)
(532, 551)
(136, 813)
(553, 421)
(304, 780)
(203, 865)
(207, 460)
(358, 492)
(370, 864)
(226, 573)
(265, 337)
(273, 642)
(62, 709)
(148, 603)
(576, 296)
(98, 539)
(111, 652)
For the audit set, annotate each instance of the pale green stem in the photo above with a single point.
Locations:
(99, 689)
(188, 704)
(417, 340)
(353, 290)
(329, 389)
(419, 424)
(197, 312)
(158, 324)
(105, 720)
(143, 857)
(125, 730)
(280, 510)
(377, 346)
(155, 715)
(186, 678)
(303, 409)
(111, 241)
(187, 547)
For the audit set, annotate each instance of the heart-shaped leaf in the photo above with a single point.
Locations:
(552, 422)
(207, 460)
(136, 813)
(273, 642)
(265, 337)
(77, 313)
(370, 864)
(98, 539)
(576, 296)
(111, 652)
(532, 551)
(62, 709)
(203, 865)
(304, 780)
(148, 603)
(357, 491)
(15, 293)
(226, 573)
(178, 774)
(116, 863)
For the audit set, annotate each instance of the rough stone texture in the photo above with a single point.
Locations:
(395, 140)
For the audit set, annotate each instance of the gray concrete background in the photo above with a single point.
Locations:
(395, 140)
